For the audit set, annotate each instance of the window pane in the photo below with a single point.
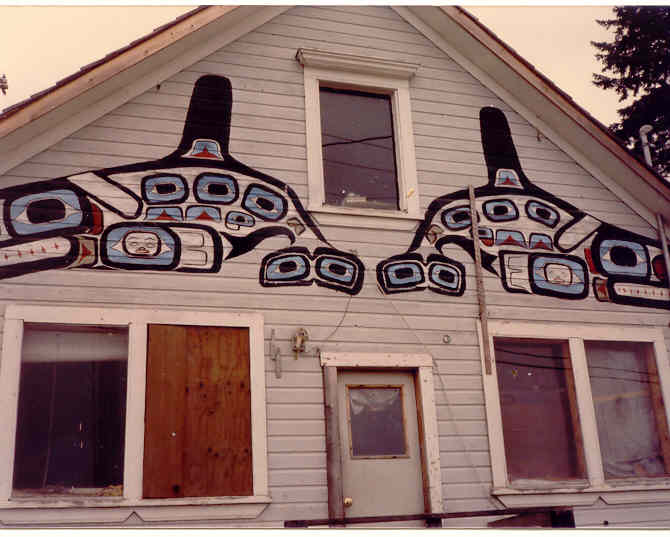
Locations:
(539, 412)
(629, 408)
(359, 167)
(377, 425)
(71, 410)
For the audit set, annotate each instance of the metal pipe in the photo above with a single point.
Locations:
(664, 243)
(644, 130)
(481, 293)
(422, 516)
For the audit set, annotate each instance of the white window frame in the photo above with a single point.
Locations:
(422, 365)
(574, 492)
(363, 74)
(136, 321)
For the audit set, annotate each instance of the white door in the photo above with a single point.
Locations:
(379, 435)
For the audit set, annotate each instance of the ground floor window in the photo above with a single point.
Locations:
(134, 408)
(577, 408)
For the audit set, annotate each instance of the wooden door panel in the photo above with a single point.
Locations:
(198, 388)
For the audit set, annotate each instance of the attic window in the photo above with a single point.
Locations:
(360, 144)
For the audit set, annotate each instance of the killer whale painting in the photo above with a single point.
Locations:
(533, 241)
(198, 207)
(187, 212)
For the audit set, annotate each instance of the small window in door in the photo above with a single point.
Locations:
(376, 421)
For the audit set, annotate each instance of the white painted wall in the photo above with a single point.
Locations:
(268, 133)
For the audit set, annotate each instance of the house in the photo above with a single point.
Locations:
(242, 285)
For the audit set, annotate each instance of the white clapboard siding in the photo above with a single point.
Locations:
(268, 134)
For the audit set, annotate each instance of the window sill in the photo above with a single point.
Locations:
(613, 492)
(377, 218)
(49, 510)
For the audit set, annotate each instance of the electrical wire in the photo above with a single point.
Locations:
(436, 372)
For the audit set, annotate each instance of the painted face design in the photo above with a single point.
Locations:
(141, 244)
(535, 242)
(187, 212)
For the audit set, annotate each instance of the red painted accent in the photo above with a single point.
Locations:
(205, 154)
(165, 216)
(488, 242)
(204, 216)
(84, 251)
(508, 181)
(96, 228)
(589, 260)
(659, 268)
(19, 254)
(44, 250)
(32, 251)
(511, 241)
(540, 244)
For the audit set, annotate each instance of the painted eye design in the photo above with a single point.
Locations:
(500, 210)
(446, 277)
(235, 220)
(264, 203)
(48, 211)
(338, 270)
(286, 268)
(164, 189)
(624, 257)
(542, 213)
(215, 188)
(404, 275)
(457, 218)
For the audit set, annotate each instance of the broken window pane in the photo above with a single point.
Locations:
(377, 425)
(539, 410)
(359, 167)
(71, 410)
(629, 408)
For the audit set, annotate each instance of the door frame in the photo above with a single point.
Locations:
(421, 367)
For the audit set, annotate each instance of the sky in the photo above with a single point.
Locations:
(39, 45)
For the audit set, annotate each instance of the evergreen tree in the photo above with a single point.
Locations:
(639, 61)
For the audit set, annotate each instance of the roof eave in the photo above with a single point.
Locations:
(548, 103)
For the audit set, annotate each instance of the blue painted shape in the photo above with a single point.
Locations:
(344, 272)
(18, 212)
(445, 276)
(500, 210)
(287, 267)
(117, 251)
(203, 213)
(264, 203)
(510, 238)
(215, 188)
(559, 275)
(540, 241)
(505, 177)
(636, 250)
(164, 189)
(237, 219)
(415, 276)
(165, 214)
(543, 213)
(457, 218)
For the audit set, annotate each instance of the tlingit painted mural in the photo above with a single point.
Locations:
(535, 242)
(186, 212)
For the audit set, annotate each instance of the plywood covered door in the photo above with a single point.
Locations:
(198, 412)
